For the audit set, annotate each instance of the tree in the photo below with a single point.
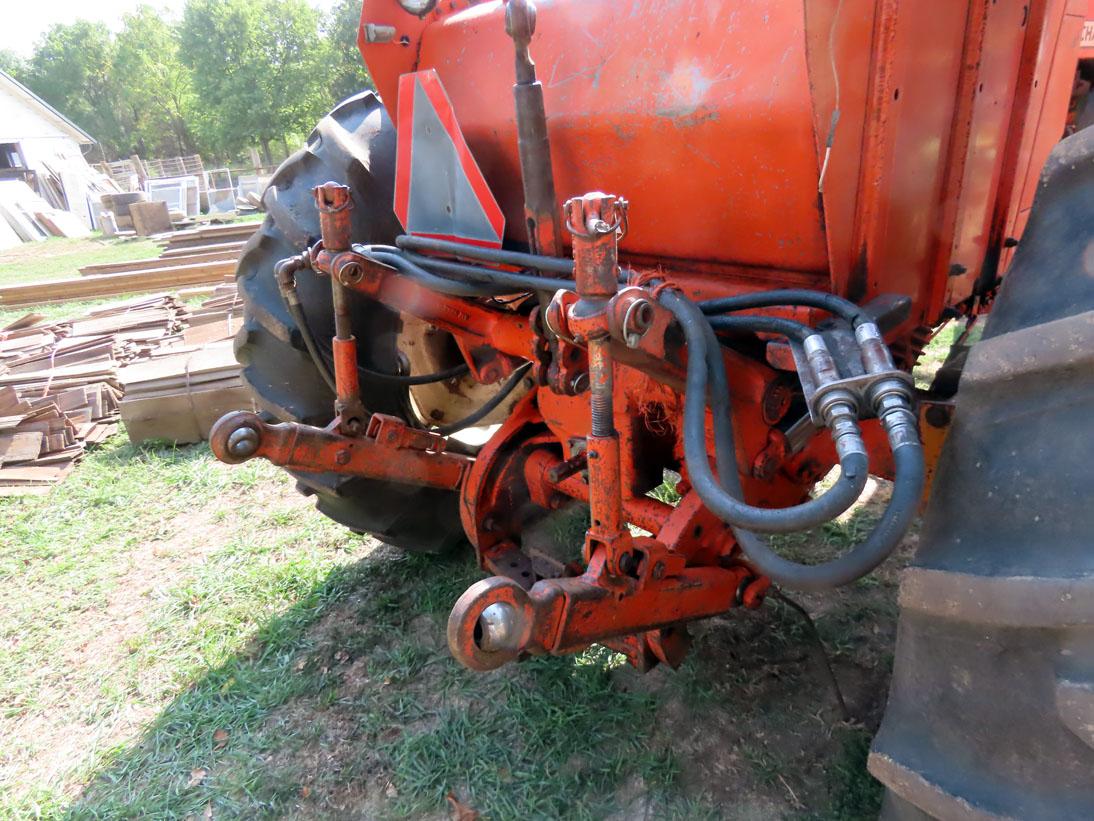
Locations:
(71, 70)
(258, 67)
(347, 74)
(156, 86)
(12, 64)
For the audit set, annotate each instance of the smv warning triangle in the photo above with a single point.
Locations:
(440, 191)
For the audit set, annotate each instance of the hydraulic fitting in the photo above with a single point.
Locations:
(891, 395)
(836, 405)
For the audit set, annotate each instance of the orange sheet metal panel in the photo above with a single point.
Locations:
(1060, 49)
(985, 129)
(712, 119)
(699, 113)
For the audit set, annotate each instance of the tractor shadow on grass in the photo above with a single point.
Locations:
(348, 705)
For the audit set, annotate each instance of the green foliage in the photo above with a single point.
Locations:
(259, 68)
(72, 70)
(155, 85)
(347, 74)
(12, 64)
(229, 75)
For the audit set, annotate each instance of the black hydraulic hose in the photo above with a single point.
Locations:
(836, 305)
(554, 265)
(296, 311)
(473, 418)
(300, 319)
(420, 379)
(861, 559)
(854, 469)
(519, 282)
(796, 331)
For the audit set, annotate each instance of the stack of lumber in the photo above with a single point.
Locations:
(60, 388)
(199, 256)
(219, 236)
(179, 395)
(217, 318)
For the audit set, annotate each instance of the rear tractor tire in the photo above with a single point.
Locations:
(354, 145)
(991, 708)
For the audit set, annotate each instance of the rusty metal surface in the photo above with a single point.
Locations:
(386, 450)
(918, 114)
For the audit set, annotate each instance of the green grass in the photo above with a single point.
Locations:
(934, 355)
(61, 258)
(81, 554)
(60, 311)
(190, 636)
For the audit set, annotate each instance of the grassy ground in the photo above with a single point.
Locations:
(191, 639)
(60, 258)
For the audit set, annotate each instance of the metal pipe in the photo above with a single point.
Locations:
(593, 221)
(335, 205)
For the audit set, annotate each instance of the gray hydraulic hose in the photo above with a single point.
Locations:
(555, 265)
(860, 560)
(519, 282)
(854, 468)
(395, 259)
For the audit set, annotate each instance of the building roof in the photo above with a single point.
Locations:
(45, 109)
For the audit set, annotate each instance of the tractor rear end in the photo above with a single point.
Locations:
(455, 333)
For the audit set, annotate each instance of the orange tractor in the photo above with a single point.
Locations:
(456, 334)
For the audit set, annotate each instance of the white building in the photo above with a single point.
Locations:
(42, 149)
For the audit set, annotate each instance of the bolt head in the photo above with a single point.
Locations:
(243, 442)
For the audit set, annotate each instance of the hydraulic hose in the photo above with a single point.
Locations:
(554, 265)
(420, 379)
(477, 416)
(854, 469)
(795, 331)
(705, 366)
(319, 357)
(519, 282)
(393, 258)
(285, 276)
(836, 305)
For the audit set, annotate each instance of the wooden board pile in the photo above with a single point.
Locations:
(60, 388)
(178, 393)
(199, 256)
(234, 234)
